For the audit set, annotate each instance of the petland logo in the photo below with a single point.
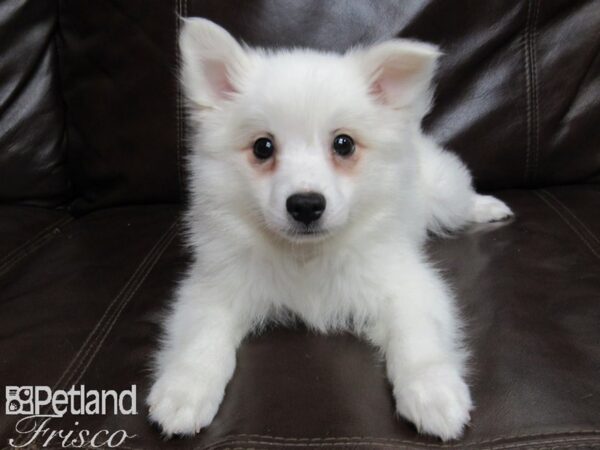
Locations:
(40, 404)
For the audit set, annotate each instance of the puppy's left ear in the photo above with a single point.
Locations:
(212, 62)
(400, 73)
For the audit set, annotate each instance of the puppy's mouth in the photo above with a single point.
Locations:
(306, 233)
(310, 232)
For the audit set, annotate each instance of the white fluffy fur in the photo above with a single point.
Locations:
(367, 273)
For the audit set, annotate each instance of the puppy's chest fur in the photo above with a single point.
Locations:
(327, 289)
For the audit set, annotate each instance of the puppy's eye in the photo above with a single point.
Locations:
(263, 148)
(343, 145)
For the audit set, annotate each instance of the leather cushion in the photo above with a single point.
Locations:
(528, 289)
(33, 167)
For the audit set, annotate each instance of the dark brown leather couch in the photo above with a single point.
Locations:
(92, 182)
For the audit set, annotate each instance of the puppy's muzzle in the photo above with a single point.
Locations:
(306, 207)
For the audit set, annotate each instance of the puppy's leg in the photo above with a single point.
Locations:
(197, 359)
(419, 333)
(486, 208)
(451, 200)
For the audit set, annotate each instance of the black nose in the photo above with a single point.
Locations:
(306, 208)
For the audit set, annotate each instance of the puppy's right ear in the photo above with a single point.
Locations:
(212, 62)
(400, 73)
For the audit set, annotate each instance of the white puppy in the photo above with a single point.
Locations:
(313, 188)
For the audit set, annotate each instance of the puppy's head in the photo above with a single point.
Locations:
(299, 142)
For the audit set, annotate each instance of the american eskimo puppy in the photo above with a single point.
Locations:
(313, 188)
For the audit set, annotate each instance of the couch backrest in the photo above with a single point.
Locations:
(118, 63)
(32, 145)
(517, 97)
(518, 93)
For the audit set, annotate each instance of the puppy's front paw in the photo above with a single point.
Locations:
(182, 405)
(489, 209)
(436, 400)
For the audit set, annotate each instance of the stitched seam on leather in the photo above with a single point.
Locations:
(527, 63)
(585, 228)
(407, 444)
(589, 431)
(242, 438)
(571, 447)
(531, 88)
(548, 201)
(178, 106)
(404, 447)
(535, 110)
(133, 290)
(10, 255)
(577, 440)
(118, 303)
(31, 245)
(158, 248)
(107, 310)
(318, 445)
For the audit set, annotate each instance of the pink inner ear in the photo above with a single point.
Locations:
(376, 89)
(386, 88)
(218, 79)
(397, 82)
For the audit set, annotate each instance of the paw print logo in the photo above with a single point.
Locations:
(19, 400)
